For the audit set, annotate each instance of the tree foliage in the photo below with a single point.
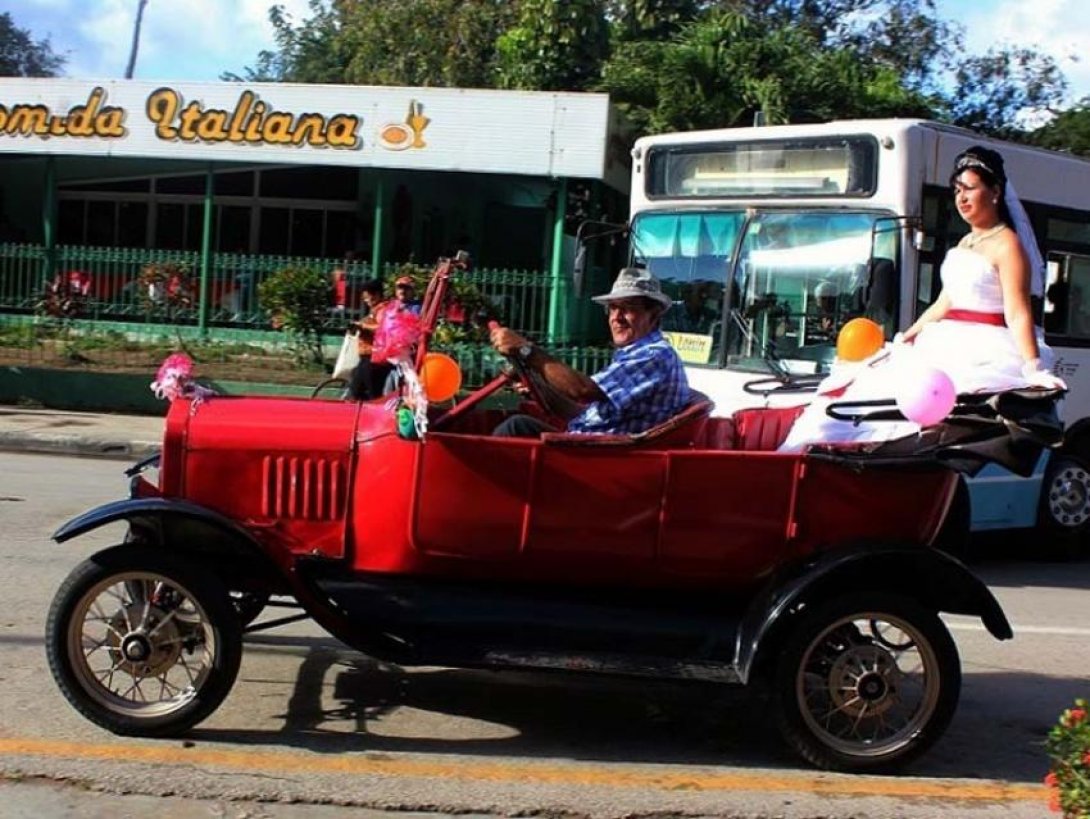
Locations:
(992, 89)
(554, 46)
(22, 56)
(682, 64)
(1069, 131)
(719, 72)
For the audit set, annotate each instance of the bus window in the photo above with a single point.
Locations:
(1078, 297)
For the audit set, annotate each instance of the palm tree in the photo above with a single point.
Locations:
(135, 38)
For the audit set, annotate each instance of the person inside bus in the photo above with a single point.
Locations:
(644, 385)
(822, 321)
(693, 314)
(980, 330)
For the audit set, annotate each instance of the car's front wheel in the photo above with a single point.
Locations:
(143, 643)
(866, 682)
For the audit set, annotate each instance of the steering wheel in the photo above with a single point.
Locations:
(543, 394)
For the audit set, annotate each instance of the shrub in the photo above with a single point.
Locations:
(167, 287)
(297, 300)
(1068, 747)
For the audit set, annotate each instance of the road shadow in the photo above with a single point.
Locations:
(1027, 560)
(344, 702)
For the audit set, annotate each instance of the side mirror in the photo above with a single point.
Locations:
(579, 270)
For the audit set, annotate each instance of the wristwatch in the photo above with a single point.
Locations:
(525, 351)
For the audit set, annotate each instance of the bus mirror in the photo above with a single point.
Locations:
(579, 269)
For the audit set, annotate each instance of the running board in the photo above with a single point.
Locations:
(619, 664)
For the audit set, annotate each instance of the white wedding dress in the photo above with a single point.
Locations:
(978, 357)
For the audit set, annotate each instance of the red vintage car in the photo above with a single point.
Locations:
(692, 551)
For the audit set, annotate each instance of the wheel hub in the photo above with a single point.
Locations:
(135, 647)
(1069, 496)
(861, 681)
(149, 650)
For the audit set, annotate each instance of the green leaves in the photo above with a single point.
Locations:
(21, 56)
(297, 300)
(1068, 747)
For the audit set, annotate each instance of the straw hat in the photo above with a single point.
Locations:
(632, 282)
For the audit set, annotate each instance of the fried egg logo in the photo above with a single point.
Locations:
(397, 136)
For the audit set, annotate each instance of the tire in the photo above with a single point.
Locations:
(1064, 511)
(143, 643)
(866, 682)
(332, 389)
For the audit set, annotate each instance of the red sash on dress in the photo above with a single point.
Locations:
(997, 319)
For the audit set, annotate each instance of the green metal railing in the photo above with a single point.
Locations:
(109, 298)
(107, 286)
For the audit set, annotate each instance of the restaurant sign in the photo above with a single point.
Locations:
(426, 128)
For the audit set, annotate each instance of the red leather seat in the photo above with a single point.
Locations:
(763, 429)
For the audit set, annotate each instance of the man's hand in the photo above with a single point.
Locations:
(506, 341)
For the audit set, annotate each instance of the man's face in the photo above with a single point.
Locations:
(404, 292)
(630, 320)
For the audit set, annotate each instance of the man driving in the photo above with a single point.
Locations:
(644, 384)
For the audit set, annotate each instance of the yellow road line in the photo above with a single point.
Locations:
(575, 774)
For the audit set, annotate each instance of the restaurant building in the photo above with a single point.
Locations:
(226, 176)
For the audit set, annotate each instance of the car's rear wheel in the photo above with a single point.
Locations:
(866, 682)
(143, 643)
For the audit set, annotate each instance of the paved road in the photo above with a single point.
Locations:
(313, 722)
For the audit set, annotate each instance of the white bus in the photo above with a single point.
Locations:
(770, 238)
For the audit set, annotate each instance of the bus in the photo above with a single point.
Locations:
(769, 238)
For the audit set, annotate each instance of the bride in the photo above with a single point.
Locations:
(980, 330)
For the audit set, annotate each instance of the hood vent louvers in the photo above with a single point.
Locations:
(302, 488)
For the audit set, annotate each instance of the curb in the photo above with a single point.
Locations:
(77, 445)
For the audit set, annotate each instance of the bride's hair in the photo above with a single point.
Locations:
(988, 165)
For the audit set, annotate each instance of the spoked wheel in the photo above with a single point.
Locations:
(866, 683)
(1065, 505)
(142, 643)
(332, 389)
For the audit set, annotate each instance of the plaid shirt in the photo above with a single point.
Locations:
(644, 385)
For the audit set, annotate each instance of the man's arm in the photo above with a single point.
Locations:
(570, 383)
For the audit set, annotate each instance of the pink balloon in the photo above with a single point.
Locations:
(925, 395)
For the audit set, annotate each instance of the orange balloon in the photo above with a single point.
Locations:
(858, 339)
(440, 376)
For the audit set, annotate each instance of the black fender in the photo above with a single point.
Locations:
(180, 526)
(927, 575)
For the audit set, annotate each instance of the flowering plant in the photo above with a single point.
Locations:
(1068, 747)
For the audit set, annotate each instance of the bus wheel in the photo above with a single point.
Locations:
(1064, 514)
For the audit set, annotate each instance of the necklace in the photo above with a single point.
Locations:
(974, 239)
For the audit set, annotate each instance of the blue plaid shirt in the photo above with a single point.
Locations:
(644, 385)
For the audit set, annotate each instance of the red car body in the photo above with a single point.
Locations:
(712, 507)
(692, 551)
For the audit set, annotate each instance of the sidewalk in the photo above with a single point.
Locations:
(62, 432)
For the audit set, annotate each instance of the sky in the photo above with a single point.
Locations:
(200, 39)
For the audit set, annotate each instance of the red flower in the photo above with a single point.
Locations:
(1074, 717)
(1051, 780)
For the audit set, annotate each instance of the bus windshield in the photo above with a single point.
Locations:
(799, 276)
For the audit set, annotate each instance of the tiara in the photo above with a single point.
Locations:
(969, 161)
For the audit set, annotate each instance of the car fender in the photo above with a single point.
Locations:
(927, 575)
(175, 524)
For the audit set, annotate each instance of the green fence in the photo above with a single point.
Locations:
(106, 284)
(99, 300)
